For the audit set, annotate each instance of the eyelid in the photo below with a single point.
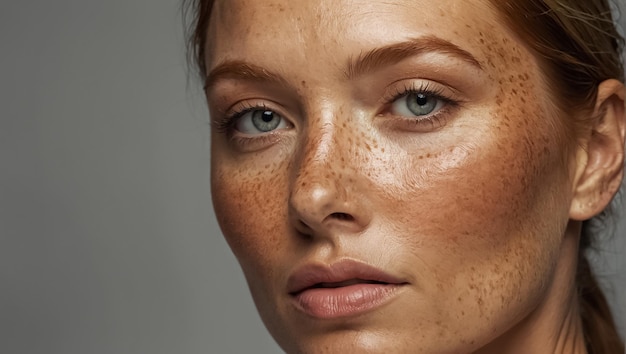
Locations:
(403, 87)
(226, 120)
(450, 98)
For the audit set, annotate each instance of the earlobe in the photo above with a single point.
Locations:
(600, 163)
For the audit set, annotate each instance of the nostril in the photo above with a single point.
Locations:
(342, 216)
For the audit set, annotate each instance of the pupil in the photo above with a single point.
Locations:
(265, 121)
(421, 99)
(267, 116)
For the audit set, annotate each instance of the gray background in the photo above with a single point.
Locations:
(108, 242)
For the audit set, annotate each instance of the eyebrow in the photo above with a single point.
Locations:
(238, 69)
(391, 54)
(369, 61)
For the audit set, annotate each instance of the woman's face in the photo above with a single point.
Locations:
(390, 175)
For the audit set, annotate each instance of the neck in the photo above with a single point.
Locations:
(571, 338)
(555, 325)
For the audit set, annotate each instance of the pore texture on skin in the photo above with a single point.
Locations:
(416, 137)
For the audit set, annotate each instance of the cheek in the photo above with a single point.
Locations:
(251, 211)
(499, 179)
(485, 217)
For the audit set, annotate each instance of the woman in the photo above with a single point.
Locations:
(416, 176)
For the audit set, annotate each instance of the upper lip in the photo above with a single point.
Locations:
(337, 274)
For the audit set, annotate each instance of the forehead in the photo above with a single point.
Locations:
(332, 29)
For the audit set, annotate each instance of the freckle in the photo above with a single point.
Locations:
(428, 155)
(304, 83)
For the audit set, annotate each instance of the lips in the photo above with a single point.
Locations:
(346, 288)
(345, 283)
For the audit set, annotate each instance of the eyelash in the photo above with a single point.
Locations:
(226, 124)
(427, 90)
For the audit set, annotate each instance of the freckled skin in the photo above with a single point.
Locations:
(473, 214)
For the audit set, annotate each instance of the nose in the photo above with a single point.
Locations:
(326, 198)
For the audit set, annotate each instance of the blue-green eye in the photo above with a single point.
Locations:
(259, 121)
(417, 104)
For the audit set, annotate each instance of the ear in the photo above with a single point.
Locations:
(600, 158)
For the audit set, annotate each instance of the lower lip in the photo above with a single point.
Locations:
(352, 300)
